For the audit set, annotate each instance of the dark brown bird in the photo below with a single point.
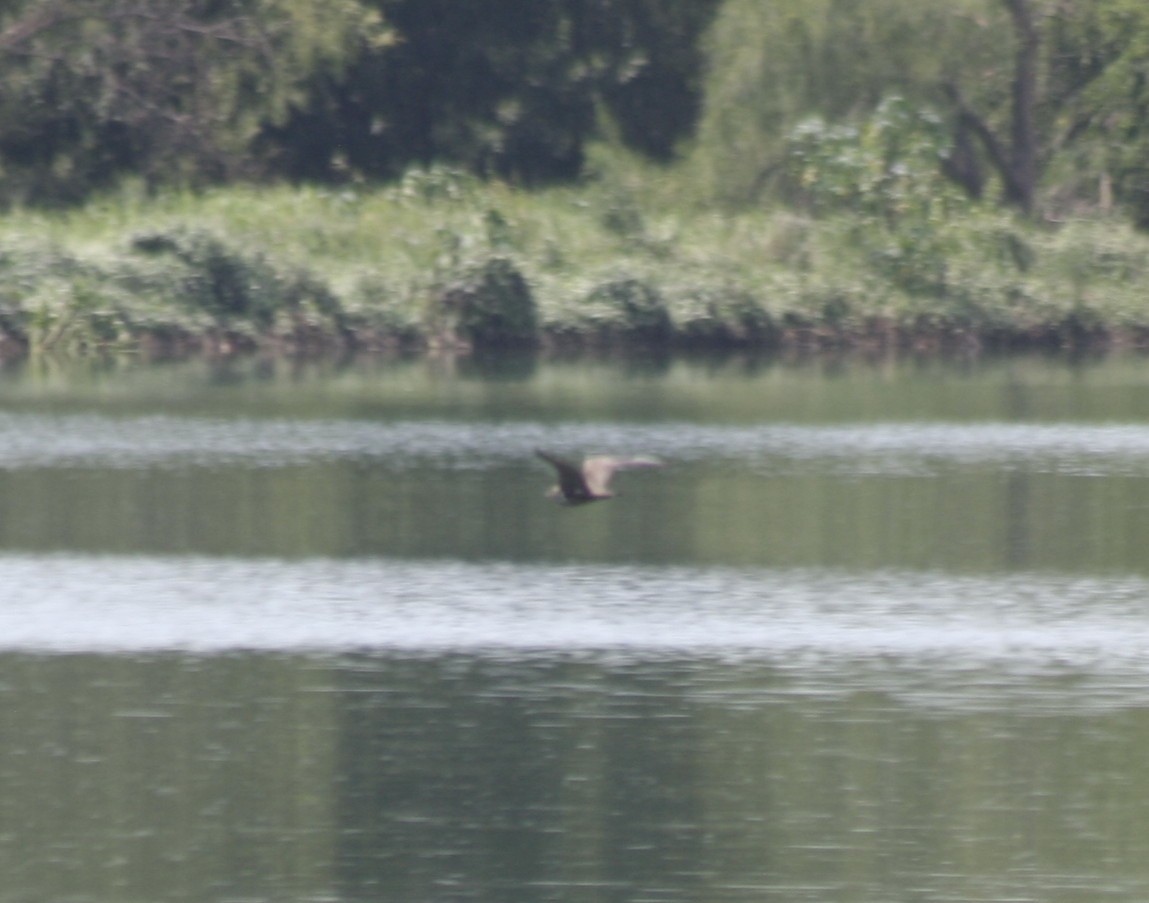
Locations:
(589, 482)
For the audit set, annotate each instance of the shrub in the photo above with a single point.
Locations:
(489, 305)
(239, 289)
(722, 316)
(629, 309)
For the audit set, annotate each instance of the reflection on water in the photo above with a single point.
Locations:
(283, 633)
(396, 777)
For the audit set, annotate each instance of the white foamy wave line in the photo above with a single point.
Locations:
(33, 440)
(81, 603)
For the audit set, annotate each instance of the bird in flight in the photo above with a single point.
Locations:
(590, 481)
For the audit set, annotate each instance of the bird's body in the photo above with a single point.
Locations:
(590, 481)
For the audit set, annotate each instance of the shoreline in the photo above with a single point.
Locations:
(485, 268)
(880, 340)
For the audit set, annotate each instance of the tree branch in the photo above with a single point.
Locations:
(998, 155)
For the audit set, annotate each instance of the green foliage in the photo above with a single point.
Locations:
(489, 305)
(1081, 108)
(774, 65)
(627, 309)
(887, 168)
(722, 315)
(338, 90)
(480, 266)
(886, 172)
(54, 298)
(239, 289)
(1077, 143)
(837, 109)
(95, 89)
(791, 99)
(1117, 103)
(503, 88)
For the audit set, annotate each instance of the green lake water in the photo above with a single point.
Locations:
(310, 631)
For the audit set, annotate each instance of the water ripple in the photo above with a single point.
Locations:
(31, 440)
(66, 602)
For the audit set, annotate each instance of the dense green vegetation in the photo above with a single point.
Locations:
(448, 259)
(600, 173)
(193, 92)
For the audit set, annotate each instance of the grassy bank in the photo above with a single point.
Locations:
(442, 260)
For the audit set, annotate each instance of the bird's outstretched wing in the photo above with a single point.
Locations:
(571, 482)
(597, 470)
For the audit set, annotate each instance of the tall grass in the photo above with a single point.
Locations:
(441, 257)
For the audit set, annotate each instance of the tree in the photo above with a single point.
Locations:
(1046, 99)
(773, 65)
(506, 88)
(170, 89)
(1070, 76)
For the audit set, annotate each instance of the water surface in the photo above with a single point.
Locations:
(275, 630)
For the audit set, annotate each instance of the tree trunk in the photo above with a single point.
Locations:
(1021, 178)
(963, 164)
(1015, 159)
